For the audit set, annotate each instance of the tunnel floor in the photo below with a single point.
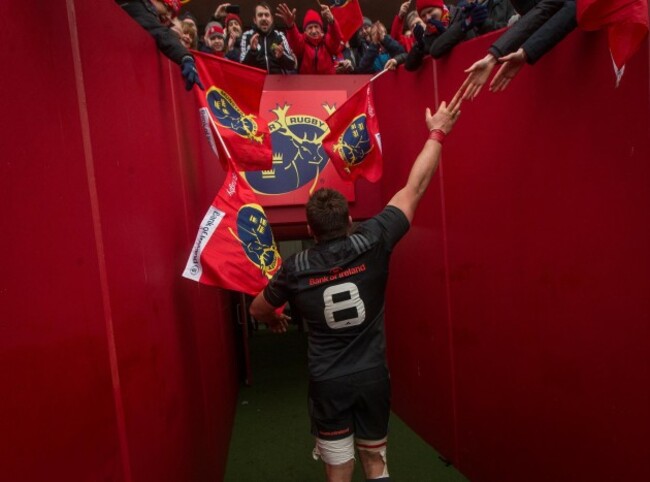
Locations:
(271, 440)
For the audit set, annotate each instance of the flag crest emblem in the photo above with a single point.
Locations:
(255, 235)
(354, 144)
(227, 114)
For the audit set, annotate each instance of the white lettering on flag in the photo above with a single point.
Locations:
(211, 221)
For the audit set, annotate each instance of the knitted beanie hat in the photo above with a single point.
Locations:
(422, 4)
(233, 16)
(312, 16)
(215, 31)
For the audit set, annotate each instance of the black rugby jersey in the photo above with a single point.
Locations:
(338, 288)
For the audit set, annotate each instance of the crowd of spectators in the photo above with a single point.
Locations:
(420, 28)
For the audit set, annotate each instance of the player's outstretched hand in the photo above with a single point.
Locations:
(446, 116)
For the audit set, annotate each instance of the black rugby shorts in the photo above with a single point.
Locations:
(356, 404)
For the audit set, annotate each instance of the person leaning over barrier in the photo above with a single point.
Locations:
(338, 288)
(156, 16)
(543, 24)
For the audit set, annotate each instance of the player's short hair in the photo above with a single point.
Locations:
(327, 214)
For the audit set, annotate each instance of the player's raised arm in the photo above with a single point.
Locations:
(425, 165)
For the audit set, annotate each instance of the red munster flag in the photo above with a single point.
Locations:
(626, 21)
(231, 100)
(348, 15)
(354, 142)
(234, 248)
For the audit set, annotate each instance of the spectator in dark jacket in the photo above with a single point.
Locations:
(264, 47)
(156, 16)
(360, 41)
(543, 24)
(382, 48)
(314, 49)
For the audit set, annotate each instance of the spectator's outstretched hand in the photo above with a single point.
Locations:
(404, 9)
(220, 11)
(287, 15)
(190, 74)
(512, 64)
(478, 75)
(446, 115)
(326, 13)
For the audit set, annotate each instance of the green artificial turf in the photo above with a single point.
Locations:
(271, 439)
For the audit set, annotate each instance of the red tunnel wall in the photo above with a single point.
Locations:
(517, 311)
(113, 367)
(518, 308)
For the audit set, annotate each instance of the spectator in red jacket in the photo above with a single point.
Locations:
(313, 48)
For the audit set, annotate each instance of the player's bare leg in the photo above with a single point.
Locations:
(340, 473)
(373, 464)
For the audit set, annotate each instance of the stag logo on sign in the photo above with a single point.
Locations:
(255, 235)
(227, 114)
(298, 154)
(355, 144)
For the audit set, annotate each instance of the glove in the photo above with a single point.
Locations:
(190, 74)
(418, 33)
(435, 27)
(474, 15)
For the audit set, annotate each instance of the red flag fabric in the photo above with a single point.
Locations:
(234, 248)
(626, 20)
(232, 98)
(354, 141)
(348, 15)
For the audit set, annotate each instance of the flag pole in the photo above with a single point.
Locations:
(223, 144)
(378, 75)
